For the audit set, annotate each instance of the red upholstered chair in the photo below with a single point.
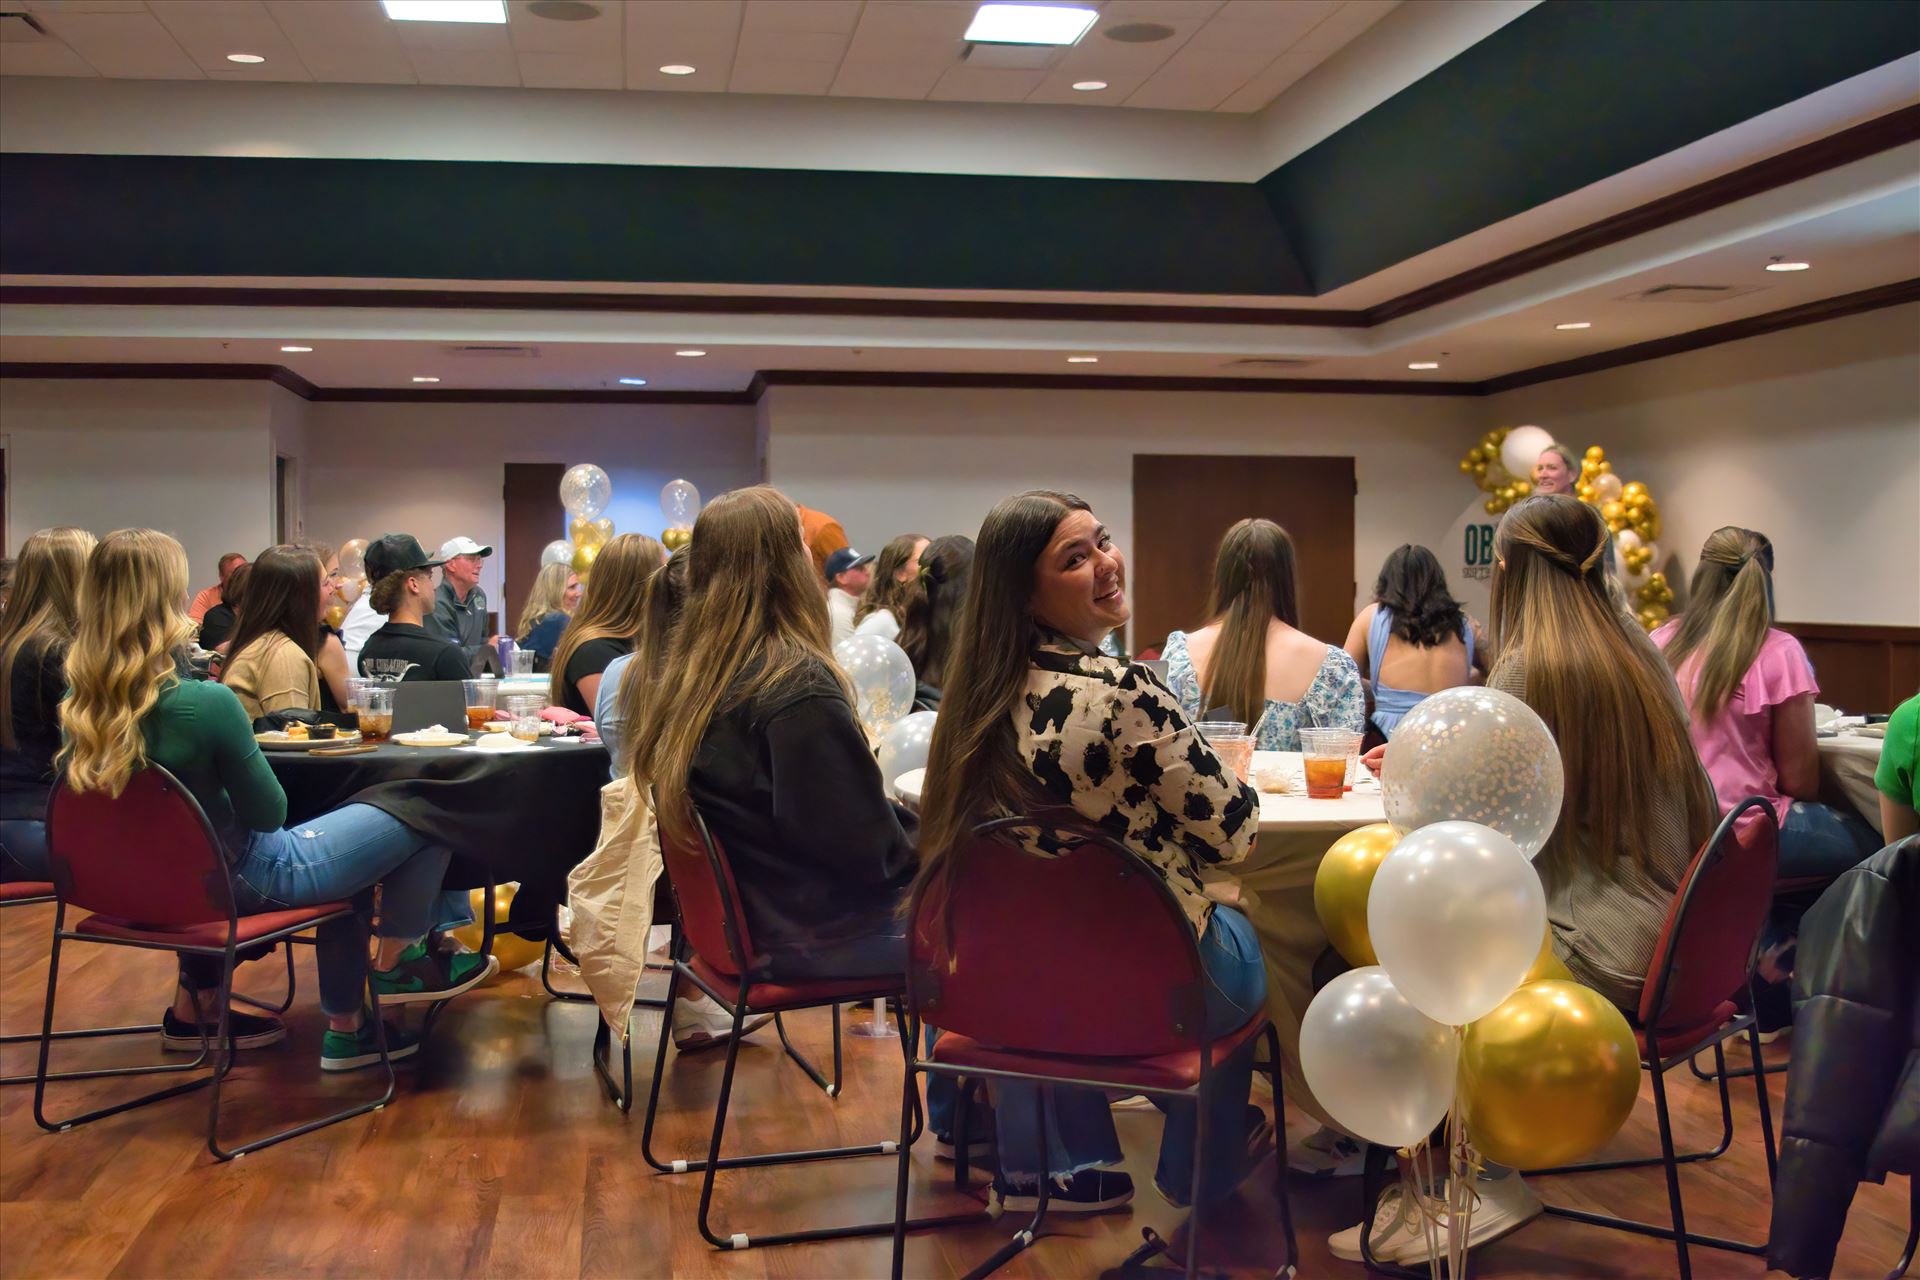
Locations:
(1072, 970)
(713, 954)
(151, 871)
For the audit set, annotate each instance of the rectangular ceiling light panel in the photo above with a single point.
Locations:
(494, 11)
(1029, 24)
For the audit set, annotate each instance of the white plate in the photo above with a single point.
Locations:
(277, 740)
(430, 740)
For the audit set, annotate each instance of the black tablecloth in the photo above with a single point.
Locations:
(528, 815)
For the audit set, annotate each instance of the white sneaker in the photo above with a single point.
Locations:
(1329, 1153)
(1505, 1205)
(703, 1024)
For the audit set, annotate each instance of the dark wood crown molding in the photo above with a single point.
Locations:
(1114, 382)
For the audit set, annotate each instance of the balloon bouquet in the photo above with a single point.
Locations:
(352, 562)
(1459, 1013)
(679, 504)
(585, 492)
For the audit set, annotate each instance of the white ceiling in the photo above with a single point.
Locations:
(1232, 56)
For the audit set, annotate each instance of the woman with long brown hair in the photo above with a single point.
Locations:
(896, 580)
(35, 631)
(1252, 658)
(933, 613)
(607, 621)
(130, 706)
(1035, 717)
(630, 677)
(270, 664)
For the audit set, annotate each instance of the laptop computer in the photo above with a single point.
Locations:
(419, 704)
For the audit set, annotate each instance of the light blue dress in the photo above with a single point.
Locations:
(1391, 704)
(1336, 698)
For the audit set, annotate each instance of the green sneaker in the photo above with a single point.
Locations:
(351, 1050)
(422, 977)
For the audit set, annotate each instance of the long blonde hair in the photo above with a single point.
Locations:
(1728, 613)
(755, 622)
(549, 595)
(132, 622)
(43, 609)
(1254, 582)
(611, 604)
(1604, 694)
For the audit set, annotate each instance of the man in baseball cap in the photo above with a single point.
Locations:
(847, 579)
(460, 606)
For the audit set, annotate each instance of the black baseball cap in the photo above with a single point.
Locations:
(842, 560)
(396, 553)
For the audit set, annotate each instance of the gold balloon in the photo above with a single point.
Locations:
(1492, 506)
(583, 558)
(1612, 512)
(513, 951)
(1549, 1076)
(590, 533)
(1586, 493)
(1596, 455)
(1476, 454)
(1523, 487)
(1341, 885)
(1604, 467)
(1466, 466)
(674, 539)
(1480, 468)
(1546, 965)
(1634, 489)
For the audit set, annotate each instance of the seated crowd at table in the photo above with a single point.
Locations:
(710, 677)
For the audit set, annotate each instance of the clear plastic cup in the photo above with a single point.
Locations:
(1327, 757)
(376, 712)
(1233, 743)
(482, 697)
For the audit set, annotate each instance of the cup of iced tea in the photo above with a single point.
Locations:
(375, 709)
(482, 697)
(1326, 756)
(525, 728)
(1233, 743)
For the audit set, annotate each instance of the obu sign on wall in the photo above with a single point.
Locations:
(1467, 555)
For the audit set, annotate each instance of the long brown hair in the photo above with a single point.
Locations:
(1603, 692)
(1728, 613)
(42, 610)
(282, 594)
(886, 591)
(665, 600)
(926, 633)
(133, 622)
(755, 623)
(1254, 582)
(611, 604)
(974, 770)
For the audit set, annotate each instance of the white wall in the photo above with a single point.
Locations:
(287, 431)
(192, 458)
(435, 470)
(1811, 436)
(889, 460)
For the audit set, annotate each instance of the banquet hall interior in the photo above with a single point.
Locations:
(505, 283)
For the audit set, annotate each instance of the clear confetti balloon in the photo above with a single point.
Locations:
(585, 490)
(679, 504)
(1474, 754)
(905, 746)
(882, 676)
(559, 551)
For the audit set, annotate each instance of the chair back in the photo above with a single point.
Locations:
(1085, 954)
(148, 856)
(418, 704)
(1707, 947)
(707, 898)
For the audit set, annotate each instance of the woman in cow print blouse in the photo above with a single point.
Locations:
(1034, 718)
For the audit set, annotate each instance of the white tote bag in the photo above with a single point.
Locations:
(611, 896)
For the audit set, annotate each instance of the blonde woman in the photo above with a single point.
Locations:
(34, 634)
(129, 706)
(550, 606)
(610, 617)
(882, 610)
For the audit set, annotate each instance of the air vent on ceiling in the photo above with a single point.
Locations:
(1266, 362)
(1692, 292)
(564, 10)
(498, 350)
(1138, 32)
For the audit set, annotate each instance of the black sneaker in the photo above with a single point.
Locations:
(248, 1030)
(1089, 1191)
(422, 977)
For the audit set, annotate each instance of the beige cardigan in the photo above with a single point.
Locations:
(273, 675)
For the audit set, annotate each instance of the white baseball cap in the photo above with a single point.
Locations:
(462, 547)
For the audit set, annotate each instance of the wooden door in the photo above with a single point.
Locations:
(534, 517)
(1183, 503)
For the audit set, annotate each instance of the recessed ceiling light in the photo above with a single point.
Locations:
(1777, 265)
(1089, 86)
(248, 58)
(690, 351)
(418, 379)
(633, 382)
(1029, 24)
(677, 69)
(1083, 359)
(1575, 324)
(1424, 364)
(494, 11)
(296, 348)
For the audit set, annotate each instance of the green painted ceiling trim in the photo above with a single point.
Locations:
(1569, 93)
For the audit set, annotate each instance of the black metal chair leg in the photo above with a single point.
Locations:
(1024, 1237)
(286, 1003)
(621, 1095)
(832, 1090)
(1292, 1264)
(909, 1108)
(1666, 1150)
(1765, 1103)
(1913, 1228)
(653, 1090)
(712, 1162)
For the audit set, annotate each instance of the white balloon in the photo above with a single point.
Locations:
(1522, 448)
(679, 504)
(1378, 1066)
(1477, 755)
(585, 491)
(559, 551)
(882, 676)
(1606, 488)
(1626, 540)
(1456, 914)
(905, 745)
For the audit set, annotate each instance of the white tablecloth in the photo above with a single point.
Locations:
(1847, 763)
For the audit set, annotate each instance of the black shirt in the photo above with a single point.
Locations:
(590, 659)
(26, 770)
(433, 658)
(792, 791)
(217, 625)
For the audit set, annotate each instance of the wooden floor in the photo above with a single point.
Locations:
(500, 1157)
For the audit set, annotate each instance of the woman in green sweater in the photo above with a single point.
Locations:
(129, 706)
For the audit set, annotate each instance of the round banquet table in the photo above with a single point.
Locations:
(528, 815)
(1274, 888)
(1847, 763)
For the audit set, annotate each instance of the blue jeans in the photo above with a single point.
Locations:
(1081, 1134)
(1817, 840)
(338, 857)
